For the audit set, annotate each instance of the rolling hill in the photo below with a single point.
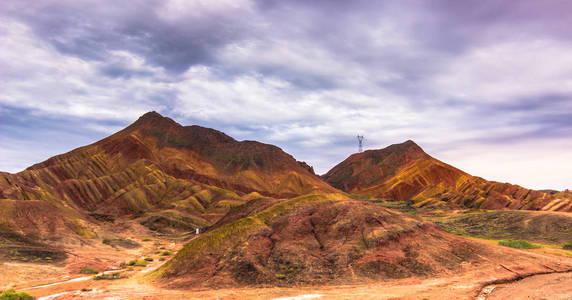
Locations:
(328, 239)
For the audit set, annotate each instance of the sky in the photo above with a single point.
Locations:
(485, 86)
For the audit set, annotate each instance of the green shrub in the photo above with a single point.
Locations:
(280, 276)
(88, 271)
(567, 246)
(111, 276)
(148, 259)
(10, 294)
(162, 259)
(146, 239)
(166, 253)
(520, 244)
(138, 262)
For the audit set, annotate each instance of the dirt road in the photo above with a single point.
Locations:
(548, 286)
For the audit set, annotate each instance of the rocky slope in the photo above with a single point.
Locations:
(170, 175)
(405, 172)
(324, 239)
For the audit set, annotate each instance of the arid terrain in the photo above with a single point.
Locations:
(119, 218)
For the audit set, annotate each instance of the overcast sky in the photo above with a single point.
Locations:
(483, 85)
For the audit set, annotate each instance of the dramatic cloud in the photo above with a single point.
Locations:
(483, 85)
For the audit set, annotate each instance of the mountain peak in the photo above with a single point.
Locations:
(151, 115)
(408, 146)
(408, 150)
(155, 119)
(380, 163)
(410, 143)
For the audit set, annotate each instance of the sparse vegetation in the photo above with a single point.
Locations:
(280, 276)
(148, 258)
(166, 253)
(103, 217)
(169, 223)
(403, 206)
(567, 246)
(138, 262)
(10, 294)
(88, 271)
(123, 243)
(111, 276)
(541, 228)
(26, 254)
(146, 239)
(520, 244)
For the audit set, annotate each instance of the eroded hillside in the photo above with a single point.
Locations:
(405, 172)
(170, 176)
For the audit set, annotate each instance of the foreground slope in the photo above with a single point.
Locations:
(323, 238)
(175, 176)
(405, 172)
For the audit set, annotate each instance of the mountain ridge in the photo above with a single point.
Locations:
(149, 169)
(405, 172)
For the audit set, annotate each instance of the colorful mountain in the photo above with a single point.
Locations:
(405, 172)
(174, 175)
(269, 219)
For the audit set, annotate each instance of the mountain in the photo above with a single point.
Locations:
(171, 176)
(405, 172)
(266, 218)
(328, 239)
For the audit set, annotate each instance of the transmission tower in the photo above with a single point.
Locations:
(360, 142)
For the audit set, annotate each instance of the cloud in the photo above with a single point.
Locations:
(305, 75)
(170, 34)
(38, 77)
(509, 70)
(29, 136)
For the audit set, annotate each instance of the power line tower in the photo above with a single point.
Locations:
(360, 142)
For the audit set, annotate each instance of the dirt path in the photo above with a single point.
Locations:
(77, 279)
(87, 287)
(546, 286)
(549, 286)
